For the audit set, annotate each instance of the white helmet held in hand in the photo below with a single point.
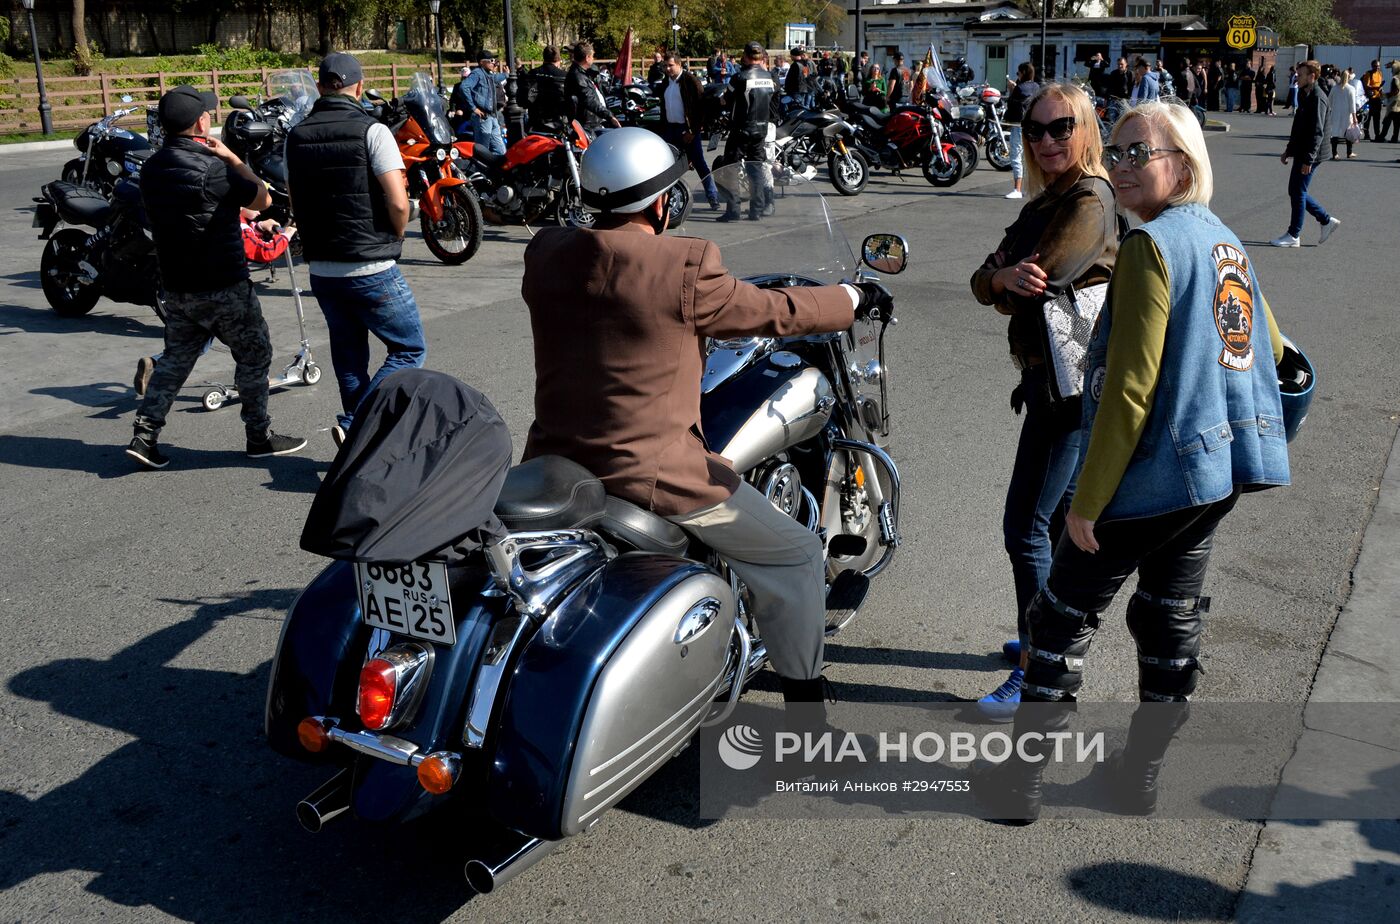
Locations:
(627, 169)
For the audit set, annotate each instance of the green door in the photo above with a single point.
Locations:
(994, 71)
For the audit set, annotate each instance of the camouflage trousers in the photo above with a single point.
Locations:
(235, 317)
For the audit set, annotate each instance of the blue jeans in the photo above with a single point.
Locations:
(1042, 486)
(674, 134)
(1018, 146)
(357, 306)
(1232, 99)
(1299, 199)
(487, 133)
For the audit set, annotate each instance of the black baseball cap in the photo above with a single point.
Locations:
(755, 50)
(486, 54)
(340, 70)
(181, 107)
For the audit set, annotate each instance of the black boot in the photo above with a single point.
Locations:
(1011, 792)
(805, 713)
(1129, 776)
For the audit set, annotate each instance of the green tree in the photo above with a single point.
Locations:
(1297, 22)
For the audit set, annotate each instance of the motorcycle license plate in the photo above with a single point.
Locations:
(410, 600)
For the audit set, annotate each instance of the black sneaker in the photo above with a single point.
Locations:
(145, 366)
(144, 450)
(274, 444)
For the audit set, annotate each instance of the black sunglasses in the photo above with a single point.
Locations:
(1139, 154)
(1059, 129)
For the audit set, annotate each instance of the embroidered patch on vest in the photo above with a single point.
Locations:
(1234, 307)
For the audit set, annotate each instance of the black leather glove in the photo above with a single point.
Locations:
(873, 296)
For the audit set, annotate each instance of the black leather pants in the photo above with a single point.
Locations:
(1170, 553)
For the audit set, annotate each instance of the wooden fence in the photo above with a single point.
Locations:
(79, 101)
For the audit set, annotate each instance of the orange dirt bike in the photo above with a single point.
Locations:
(449, 213)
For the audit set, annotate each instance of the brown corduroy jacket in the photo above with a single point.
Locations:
(619, 319)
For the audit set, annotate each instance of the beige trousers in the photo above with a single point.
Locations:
(782, 564)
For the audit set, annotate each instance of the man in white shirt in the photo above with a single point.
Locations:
(681, 120)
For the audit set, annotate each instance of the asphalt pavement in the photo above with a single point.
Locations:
(141, 608)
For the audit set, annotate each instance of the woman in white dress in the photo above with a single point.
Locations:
(1341, 113)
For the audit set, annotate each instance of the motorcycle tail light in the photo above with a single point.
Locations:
(311, 732)
(378, 688)
(438, 772)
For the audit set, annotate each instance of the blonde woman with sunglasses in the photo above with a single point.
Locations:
(1182, 407)
(1065, 235)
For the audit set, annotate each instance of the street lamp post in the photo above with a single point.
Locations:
(675, 28)
(515, 116)
(45, 110)
(436, 6)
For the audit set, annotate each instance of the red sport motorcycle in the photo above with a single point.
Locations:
(905, 138)
(537, 180)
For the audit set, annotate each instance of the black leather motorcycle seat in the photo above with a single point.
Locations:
(640, 528)
(486, 157)
(79, 205)
(550, 492)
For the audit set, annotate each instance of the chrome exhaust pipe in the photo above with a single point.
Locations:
(521, 853)
(330, 800)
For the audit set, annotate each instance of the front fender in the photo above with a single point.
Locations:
(432, 199)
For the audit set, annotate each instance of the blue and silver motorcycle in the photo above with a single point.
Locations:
(516, 643)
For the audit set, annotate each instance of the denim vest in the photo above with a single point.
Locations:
(1216, 419)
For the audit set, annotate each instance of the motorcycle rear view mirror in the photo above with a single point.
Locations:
(239, 102)
(885, 253)
(126, 97)
(373, 96)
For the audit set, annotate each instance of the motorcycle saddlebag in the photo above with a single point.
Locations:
(613, 684)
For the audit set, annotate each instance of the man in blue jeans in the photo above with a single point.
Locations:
(348, 189)
(484, 93)
(682, 120)
(1305, 143)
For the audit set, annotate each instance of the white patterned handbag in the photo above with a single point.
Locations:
(1069, 325)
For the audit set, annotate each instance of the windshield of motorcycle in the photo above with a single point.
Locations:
(427, 109)
(297, 90)
(781, 224)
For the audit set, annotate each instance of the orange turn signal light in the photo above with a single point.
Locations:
(860, 476)
(438, 772)
(313, 735)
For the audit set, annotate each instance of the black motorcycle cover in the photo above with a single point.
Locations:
(418, 477)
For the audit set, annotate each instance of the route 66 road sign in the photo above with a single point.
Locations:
(1241, 32)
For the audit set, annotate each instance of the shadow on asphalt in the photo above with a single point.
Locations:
(292, 474)
(46, 321)
(195, 816)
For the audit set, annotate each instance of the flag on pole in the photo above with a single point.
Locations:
(622, 69)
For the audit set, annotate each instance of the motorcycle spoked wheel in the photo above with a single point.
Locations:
(942, 174)
(569, 211)
(59, 275)
(999, 153)
(858, 516)
(456, 238)
(848, 174)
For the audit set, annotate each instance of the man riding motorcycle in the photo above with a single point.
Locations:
(618, 368)
(754, 89)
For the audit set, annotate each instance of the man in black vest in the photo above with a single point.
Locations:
(193, 189)
(348, 190)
